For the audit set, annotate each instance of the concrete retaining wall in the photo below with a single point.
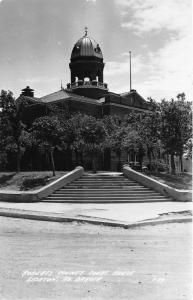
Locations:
(37, 195)
(175, 194)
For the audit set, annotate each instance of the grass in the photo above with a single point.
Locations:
(13, 181)
(178, 181)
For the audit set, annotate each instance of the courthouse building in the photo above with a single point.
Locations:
(88, 93)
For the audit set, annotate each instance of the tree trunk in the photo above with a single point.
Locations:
(77, 160)
(53, 165)
(69, 159)
(18, 158)
(149, 156)
(18, 162)
(81, 158)
(119, 161)
(107, 159)
(181, 164)
(168, 163)
(141, 161)
(156, 162)
(93, 164)
(173, 167)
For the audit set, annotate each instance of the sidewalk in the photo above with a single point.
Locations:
(121, 214)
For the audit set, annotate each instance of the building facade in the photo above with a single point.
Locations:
(87, 92)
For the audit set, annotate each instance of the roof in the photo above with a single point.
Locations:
(132, 92)
(84, 99)
(64, 95)
(59, 95)
(86, 46)
(131, 98)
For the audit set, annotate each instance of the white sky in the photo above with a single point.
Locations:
(37, 37)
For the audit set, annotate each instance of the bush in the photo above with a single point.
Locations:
(6, 177)
(30, 183)
(135, 166)
(159, 167)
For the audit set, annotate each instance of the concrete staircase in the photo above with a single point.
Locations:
(105, 188)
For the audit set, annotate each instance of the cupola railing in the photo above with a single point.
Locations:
(87, 84)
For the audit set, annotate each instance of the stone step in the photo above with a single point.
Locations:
(107, 181)
(122, 189)
(95, 175)
(106, 196)
(53, 196)
(106, 201)
(103, 178)
(99, 192)
(103, 183)
(100, 178)
(106, 188)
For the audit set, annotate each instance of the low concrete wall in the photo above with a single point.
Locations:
(175, 194)
(37, 195)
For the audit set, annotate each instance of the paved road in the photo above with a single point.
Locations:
(94, 262)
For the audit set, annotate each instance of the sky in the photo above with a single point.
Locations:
(37, 37)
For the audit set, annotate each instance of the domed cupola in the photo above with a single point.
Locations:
(86, 67)
(86, 46)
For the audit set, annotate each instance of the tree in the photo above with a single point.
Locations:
(6, 114)
(30, 109)
(149, 131)
(12, 130)
(147, 127)
(85, 135)
(115, 132)
(93, 134)
(137, 134)
(46, 134)
(188, 149)
(115, 142)
(133, 143)
(176, 127)
(71, 139)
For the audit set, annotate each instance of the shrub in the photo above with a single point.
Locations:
(159, 167)
(6, 177)
(29, 183)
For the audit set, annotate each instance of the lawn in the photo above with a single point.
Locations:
(13, 181)
(178, 181)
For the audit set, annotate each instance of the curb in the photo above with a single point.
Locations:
(51, 217)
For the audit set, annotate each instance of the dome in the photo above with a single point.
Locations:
(86, 46)
(86, 67)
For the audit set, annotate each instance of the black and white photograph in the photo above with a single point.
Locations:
(96, 150)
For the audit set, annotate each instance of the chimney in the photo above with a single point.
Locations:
(27, 92)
